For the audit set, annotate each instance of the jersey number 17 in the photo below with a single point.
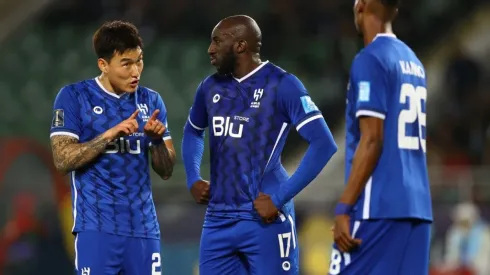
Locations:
(417, 98)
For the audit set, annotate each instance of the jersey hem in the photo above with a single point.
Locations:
(136, 235)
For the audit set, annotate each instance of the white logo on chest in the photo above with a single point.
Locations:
(257, 96)
(98, 110)
(143, 108)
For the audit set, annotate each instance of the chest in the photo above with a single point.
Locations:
(234, 110)
(99, 113)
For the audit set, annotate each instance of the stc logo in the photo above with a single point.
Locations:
(123, 146)
(223, 127)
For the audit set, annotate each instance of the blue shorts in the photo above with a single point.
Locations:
(394, 247)
(106, 254)
(243, 247)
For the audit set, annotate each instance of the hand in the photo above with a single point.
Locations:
(265, 207)
(341, 234)
(125, 128)
(200, 191)
(154, 128)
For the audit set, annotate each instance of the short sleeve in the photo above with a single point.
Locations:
(295, 102)
(66, 114)
(370, 87)
(198, 117)
(162, 116)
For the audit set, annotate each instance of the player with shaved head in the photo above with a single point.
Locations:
(250, 106)
(383, 218)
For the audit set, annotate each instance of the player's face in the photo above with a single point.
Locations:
(124, 70)
(358, 8)
(221, 51)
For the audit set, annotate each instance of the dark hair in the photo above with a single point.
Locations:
(116, 37)
(391, 3)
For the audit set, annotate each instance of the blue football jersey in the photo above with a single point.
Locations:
(387, 81)
(249, 120)
(113, 193)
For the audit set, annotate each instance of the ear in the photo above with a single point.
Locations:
(240, 46)
(103, 65)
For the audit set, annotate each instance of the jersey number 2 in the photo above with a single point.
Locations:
(417, 97)
(156, 264)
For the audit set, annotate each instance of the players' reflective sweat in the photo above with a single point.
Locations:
(387, 81)
(249, 120)
(112, 194)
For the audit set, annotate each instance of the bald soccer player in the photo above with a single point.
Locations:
(250, 105)
(383, 218)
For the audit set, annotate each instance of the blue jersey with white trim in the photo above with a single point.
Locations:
(113, 193)
(387, 81)
(249, 120)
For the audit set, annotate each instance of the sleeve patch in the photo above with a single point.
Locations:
(308, 104)
(364, 91)
(58, 118)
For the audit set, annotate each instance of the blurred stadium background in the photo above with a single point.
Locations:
(45, 44)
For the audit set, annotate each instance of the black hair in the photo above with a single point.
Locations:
(391, 3)
(116, 37)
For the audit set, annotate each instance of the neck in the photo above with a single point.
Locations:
(375, 27)
(104, 80)
(245, 67)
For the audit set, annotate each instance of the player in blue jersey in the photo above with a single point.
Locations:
(104, 132)
(250, 106)
(383, 219)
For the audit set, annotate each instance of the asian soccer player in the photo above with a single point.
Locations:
(103, 131)
(383, 219)
(250, 106)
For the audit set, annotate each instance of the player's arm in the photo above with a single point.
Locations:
(193, 147)
(371, 108)
(310, 124)
(162, 150)
(68, 153)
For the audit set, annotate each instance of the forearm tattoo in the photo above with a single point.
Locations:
(162, 160)
(69, 154)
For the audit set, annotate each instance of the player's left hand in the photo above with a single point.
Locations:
(154, 128)
(342, 236)
(265, 207)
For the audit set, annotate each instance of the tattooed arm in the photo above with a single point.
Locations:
(69, 154)
(163, 158)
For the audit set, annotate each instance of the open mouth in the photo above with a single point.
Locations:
(134, 83)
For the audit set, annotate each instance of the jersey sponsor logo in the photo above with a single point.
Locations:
(308, 104)
(364, 91)
(58, 118)
(257, 96)
(98, 110)
(223, 127)
(122, 146)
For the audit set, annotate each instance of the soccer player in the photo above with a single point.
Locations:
(103, 131)
(250, 105)
(383, 219)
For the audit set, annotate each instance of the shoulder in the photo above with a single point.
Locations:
(73, 90)
(367, 60)
(148, 92)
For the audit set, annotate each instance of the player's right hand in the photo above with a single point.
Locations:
(200, 191)
(342, 236)
(125, 128)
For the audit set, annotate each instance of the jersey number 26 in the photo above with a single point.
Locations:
(417, 97)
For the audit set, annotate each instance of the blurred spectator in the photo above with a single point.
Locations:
(468, 240)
